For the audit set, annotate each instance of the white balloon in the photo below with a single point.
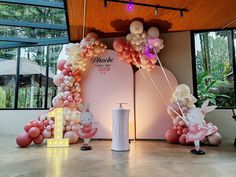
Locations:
(129, 37)
(153, 32)
(136, 27)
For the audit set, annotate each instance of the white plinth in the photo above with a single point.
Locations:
(120, 130)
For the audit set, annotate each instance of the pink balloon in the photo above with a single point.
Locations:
(27, 127)
(119, 44)
(92, 35)
(66, 102)
(72, 136)
(41, 126)
(49, 127)
(51, 122)
(215, 139)
(57, 103)
(23, 140)
(34, 132)
(45, 122)
(179, 132)
(126, 54)
(172, 136)
(182, 139)
(58, 79)
(185, 130)
(60, 64)
(46, 134)
(70, 98)
(38, 140)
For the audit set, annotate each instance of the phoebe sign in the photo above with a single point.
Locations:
(103, 64)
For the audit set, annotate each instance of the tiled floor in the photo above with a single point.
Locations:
(145, 158)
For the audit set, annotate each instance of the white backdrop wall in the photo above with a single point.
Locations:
(176, 56)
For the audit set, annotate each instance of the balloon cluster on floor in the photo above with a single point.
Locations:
(140, 47)
(184, 132)
(68, 94)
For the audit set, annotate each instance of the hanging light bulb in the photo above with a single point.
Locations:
(156, 11)
(105, 3)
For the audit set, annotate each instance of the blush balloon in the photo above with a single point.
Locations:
(92, 35)
(60, 64)
(118, 44)
(23, 140)
(46, 134)
(215, 139)
(41, 126)
(34, 132)
(172, 136)
(27, 127)
(38, 140)
(57, 103)
(182, 139)
(72, 136)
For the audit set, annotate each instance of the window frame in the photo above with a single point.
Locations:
(17, 43)
(18, 77)
(194, 70)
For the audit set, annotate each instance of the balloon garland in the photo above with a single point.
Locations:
(68, 95)
(139, 47)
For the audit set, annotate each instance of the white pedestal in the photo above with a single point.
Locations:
(120, 130)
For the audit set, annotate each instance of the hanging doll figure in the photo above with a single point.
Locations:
(198, 128)
(86, 130)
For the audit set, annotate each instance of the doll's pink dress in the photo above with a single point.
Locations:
(200, 131)
(87, 131)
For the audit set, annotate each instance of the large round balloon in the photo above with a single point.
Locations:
(34, 132)
(172, 136)
(153, 32)
(136, 27)
(214, 139)
(23, 139)
(119, 44)
(72, 136)
(38, 140)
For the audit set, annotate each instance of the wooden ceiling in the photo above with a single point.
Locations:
(115, 19)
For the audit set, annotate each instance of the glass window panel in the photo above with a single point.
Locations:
(32, 79)
(54, 51)
(8, 59)
(24, 32)
(214, 69)
(19, 12)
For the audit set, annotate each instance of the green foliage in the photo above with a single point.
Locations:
(2, 98)
(214, 82)
(216, 91)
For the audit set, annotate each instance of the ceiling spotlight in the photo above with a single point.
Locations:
(156, 11)
(181, 13)
(130, 5)
(105, 3)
